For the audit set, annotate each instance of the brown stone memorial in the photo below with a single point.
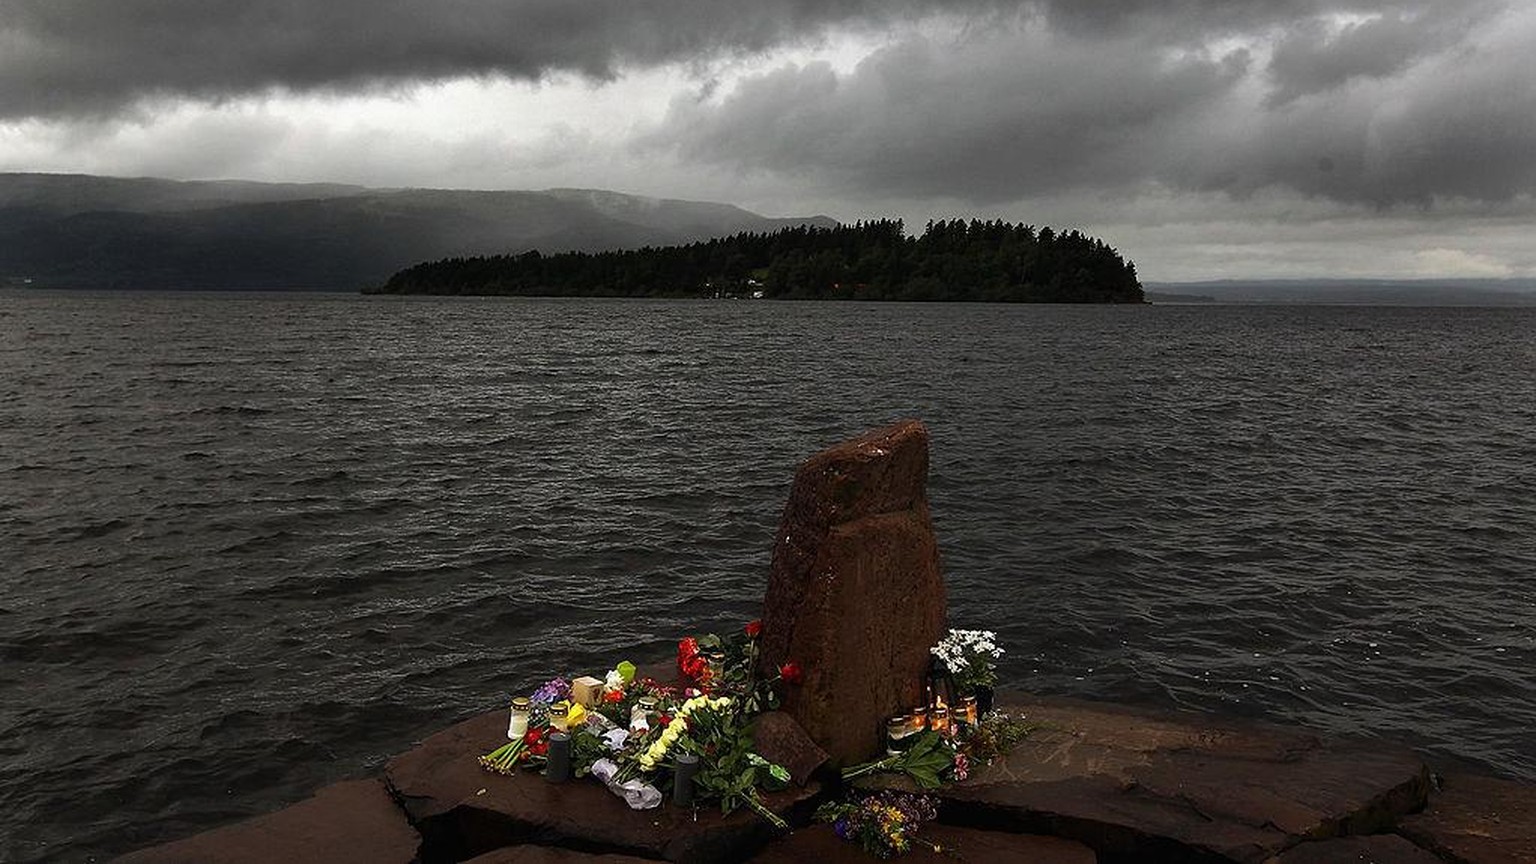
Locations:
(855, 596)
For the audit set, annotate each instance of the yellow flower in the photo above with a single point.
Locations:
(577, 714)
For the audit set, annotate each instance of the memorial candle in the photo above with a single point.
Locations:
(938, 720)
(517, 722)
(896, 730)
(559, 713)
(642, 713)
(968, 710)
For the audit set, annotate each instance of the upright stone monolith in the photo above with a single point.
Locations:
(855, 597)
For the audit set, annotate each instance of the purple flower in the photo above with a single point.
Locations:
(554, 690)
(840, 828)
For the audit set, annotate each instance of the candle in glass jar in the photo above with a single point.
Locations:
(968, 710)
(938, 719)
(641, 714)
(919, 718)
(896, 730)
(559, 713)
(517, 722)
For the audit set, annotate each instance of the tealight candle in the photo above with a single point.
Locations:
(559, 713)
(938, 719)
(517, 722)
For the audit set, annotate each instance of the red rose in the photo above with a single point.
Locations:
(753, 628)
(791, 673)
(534, 735)
(664, 719)
(613, 696)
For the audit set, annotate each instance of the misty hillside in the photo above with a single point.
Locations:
(77, 231)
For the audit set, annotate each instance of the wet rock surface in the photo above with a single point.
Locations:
(354, 822)
(819, 844)
(1184, 787)
(462, 811)
(1375, 849)
(550, 855)
(855, 595)
(1478, 820)
(1092, 782)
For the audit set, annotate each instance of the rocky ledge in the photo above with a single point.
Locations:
(1093, 782)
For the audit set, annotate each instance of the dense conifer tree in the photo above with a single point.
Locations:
(951, 260)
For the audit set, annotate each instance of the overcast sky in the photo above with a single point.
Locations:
(1202, 138)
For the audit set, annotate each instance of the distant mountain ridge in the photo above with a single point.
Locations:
(1375, 292)
(85, 231)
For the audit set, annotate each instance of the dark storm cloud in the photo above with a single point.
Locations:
(1312, 58)
(63, 57)
(1404, 105)
(1003, 119)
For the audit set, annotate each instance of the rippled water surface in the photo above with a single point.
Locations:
(252, 544)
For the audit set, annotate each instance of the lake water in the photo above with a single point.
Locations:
(251, 544)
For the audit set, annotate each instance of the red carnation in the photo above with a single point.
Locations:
(688, 655)
(753, 628)
(791, 673)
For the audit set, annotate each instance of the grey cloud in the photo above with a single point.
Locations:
(1170, 20)
(997, 120)
(1017, 112)
(1311, 59)
(70, 57)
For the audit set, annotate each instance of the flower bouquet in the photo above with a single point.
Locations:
(970, 657)
(885, 824)
(629, 731)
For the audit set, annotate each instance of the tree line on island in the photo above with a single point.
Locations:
(953, 260)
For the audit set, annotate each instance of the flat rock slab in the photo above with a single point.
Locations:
(348, 823)
(1375, 849)
(462, 810)
(819, 845)
(551, 855)
(1142, 784)
(1478, 820)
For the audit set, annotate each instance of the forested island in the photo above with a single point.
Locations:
(951, 260)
